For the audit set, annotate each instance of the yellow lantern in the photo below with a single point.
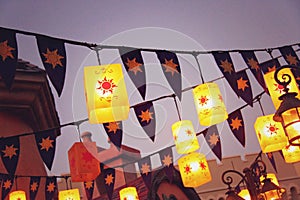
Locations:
(185, 137)
(209, 104)
(245, 194)
(17, 195)
(291, 154)
(270, 134)
(106, 93)
(69, 194)
(194, 170)
(128, 193)
(270, 176)
(275, 89)
(270, 190)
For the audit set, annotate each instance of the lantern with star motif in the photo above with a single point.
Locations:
(209, 104)
(291, 154)
(270, 176)
(106, 93)
(17, 195)
(83, 163)
(185, 137)
(194, 170)
(128, 193)
(69, 194)
(270, 134)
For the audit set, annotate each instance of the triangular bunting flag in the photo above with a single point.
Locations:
(114, 132)
(10, 151)
(8, 56)
(34, 186)
(46, 143)
(252, 63)
(7, 183)
(212, 138)
(270, 65)
(134, 65)
(53, 54)
(244, 87)
(89, 189)
(109, 181)
(171, 68)
(146, 116)
(50, 187)
(166, 158)
(146, 170)
(272, 160)
(236, 124)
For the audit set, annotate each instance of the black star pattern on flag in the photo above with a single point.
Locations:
(146, 170)
(89, 189)
(34, 186)
(109, 175)
(212, 138)
(166, 158)
(270, 65)
(7, 184)
(236, 124)
(272, 160)
(50, 187)
(114, 132)
(244, 87)
(10, 151)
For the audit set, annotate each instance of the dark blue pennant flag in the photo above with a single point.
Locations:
(272, 160)
(252, 63)
(89, 189)
(166, 158)
(7, 183)
(244, 87)
(46, 143)
(114, 132)
(146, 170)
(53, 54)
(134, 64)
(109, 181)
(146, 116)
(10, 151)
(270, 65)
(34, 186)
(225, 64)
(236, 124)
(50, 188)
(171, 68)
(212, 138)
(8, 56)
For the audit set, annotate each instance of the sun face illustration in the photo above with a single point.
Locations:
(105, 87)
(272, 129)
(203, 100)
(279, 88)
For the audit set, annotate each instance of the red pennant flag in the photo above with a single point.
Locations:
(53, 54)
(89, 189)
(236, 124)
(146, 170)
(272, 160)
(8, 56)
(166, 158)
(7, 183)
(34, 186)
(114, 132)
(50, 188)
(109, 181)
(269, 65)
(244, 87)
(146, 116)
(171, 68)
(134, 64)
(212, 138)
(10, 151)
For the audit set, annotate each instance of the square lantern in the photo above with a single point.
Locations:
(291, 154)
(17, 195)
(72, 194)
(84, 166)
(128, 193)
(106, 94)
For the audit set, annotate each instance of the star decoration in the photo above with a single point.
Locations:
(106, 85)
(109, 179)
(203, 100)
(213, 139)
(227, 66)
(236, 123)
(270, 69)
(53, 58)
(202, 165)
(189, 132)
(87, 157)
(146, 116)
(221, 98)
(50, 187)
(170, 66)
(46, 143)
(133, 66)
(113, 127)
(145, 168)
(34, 186)
(187, 169)
(7, 184)
(242, 84)
(291, 59)
(270, 155)
(10, 151)
(5, 50)
(272, 128)
(88, 185)
(279, 88)
(167, 160)
(253, 63)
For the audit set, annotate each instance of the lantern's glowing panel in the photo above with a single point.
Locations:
(291, 123)
(209, 104)
(272, 177)
(128, 193)
(106, 94)
(17, 195)
(245, 194)
(270, 134)
(291, 154)
(72, 194)
(185, 137)
(194, 170)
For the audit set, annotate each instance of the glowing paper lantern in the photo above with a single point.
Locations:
(128, 193)
(185, 137)
(17, 195)
(272, 177)
(83, 164)
(270, 134)
(69, 194)
(194, 170)
(245, 194)
(291, 154)
(209, 104)
(275, 89)
(106, 94)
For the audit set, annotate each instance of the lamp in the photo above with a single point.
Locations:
(291, 154)
(69, 194)
(288, 112)
(17, 195)
(270, 190)
(128, 193)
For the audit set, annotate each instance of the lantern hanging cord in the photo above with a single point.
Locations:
(199, 67)
(178, 113)
(260, 106)
(97, 49)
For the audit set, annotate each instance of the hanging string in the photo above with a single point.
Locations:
(66, 180)
(98, 55)
(260, 105)
(199, 67)
(178, 113)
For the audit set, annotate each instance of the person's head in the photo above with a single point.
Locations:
(86, 136)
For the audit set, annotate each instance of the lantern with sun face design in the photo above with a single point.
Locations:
(194, 170)
(291, 154)
(106, 94)
(128, 193)
(270, 134)
(209, 104)
(72, 194)
(17, 195)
